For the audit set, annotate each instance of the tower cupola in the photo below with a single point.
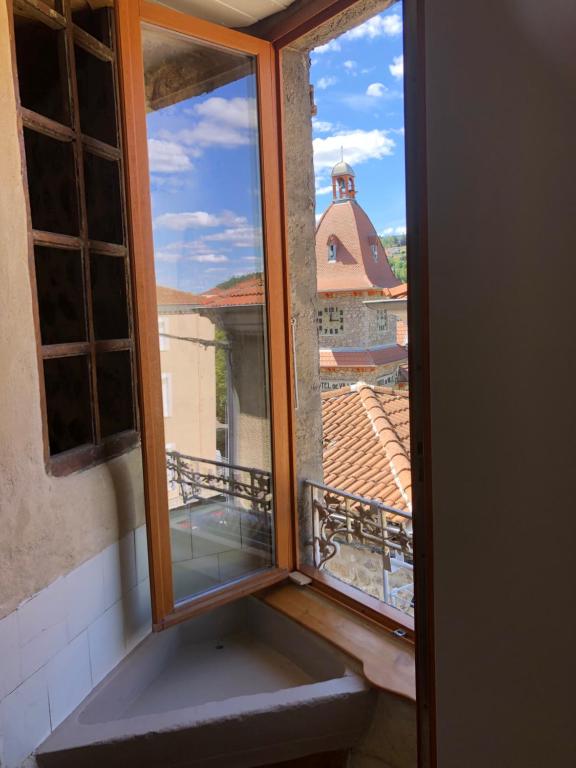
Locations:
(343, 181)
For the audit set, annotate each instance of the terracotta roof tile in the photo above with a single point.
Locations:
(166, 296)
(366, 358)
(354, 269)
(367, 443)
(249, 291)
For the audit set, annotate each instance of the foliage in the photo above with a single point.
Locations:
(396, 253)
(232, 281)
(221, 379)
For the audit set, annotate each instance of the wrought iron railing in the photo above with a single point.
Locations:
(195, 475)
(344, 521)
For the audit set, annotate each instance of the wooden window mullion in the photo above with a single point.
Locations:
(82, 215)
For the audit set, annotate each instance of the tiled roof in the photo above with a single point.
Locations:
(348, 225)
(249, 291)
(397, 291)
(171, 296)
(361, 358)
(366, 434)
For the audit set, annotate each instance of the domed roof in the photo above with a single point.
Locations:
(356, 266)
(342, 169)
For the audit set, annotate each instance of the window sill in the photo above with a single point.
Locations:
(388, 663)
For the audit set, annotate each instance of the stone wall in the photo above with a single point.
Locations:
(360, 323)
(332, 379)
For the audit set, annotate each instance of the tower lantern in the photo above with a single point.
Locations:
(343, 181)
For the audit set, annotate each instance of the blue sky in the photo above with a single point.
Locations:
(358, 85)
(204, 156)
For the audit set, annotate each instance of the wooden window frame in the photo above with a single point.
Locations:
(102, 448)
(131, 14)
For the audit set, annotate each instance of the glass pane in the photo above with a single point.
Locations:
(60, 286)
(95, 21)
(51, 183)
(95, 80)
(67, 381)
(115, 401)
(109, 296)
(103, 199)
(42, 76)
(209, 257)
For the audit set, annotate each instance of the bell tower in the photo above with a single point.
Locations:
(343, 181)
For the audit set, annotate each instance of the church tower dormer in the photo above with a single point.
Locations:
(343, 181)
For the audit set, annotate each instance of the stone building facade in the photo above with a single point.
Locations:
(357, 333)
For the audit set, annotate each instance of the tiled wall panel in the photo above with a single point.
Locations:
(58, 645)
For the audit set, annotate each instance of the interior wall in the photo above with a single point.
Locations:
(501, 117)
(48, 525)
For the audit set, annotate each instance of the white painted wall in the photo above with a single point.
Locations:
(63, 641)
(501, 95)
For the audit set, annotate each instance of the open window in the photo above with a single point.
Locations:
(201, 107)
(230, 509)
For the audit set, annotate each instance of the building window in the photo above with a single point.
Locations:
(374, 249)
(382, 320)
(167, 394)
(80, 262)
(387, 380)
(163, 329)
(331, 252)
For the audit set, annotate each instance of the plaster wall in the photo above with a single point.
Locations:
(501, 110)
(191, 425)
(49, 525)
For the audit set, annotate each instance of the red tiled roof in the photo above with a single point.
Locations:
(170, 296)
(354, 269)
(397, 291)
(367, 443)
(249, 291)
(364, 358)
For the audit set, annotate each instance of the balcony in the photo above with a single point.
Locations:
(364, 543)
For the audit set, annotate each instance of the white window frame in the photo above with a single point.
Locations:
(332, 250)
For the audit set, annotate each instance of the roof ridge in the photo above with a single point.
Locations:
(389, 440)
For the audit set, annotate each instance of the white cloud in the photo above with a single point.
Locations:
(324, 190)
(378, 26)
(395, 231)
(238, 112)
(197, 220)
(209, 258)
(359, 146)
(333, 45)
(240, 237)
(318, 217)
(326, 82)
(350, 66)
(322, 126)
(376, 90)
(215, 269)
(397, 67)
(167, 157)
(221, 122)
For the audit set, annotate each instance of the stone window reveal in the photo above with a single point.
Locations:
(66, 63)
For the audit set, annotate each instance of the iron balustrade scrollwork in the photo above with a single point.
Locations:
(345, 518)
(193, 475)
